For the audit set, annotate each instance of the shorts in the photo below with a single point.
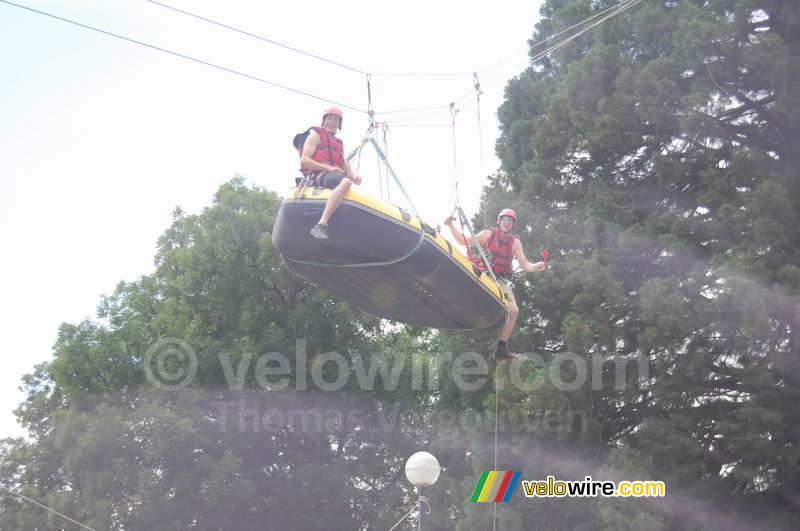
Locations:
(329, 179)
(505, 289)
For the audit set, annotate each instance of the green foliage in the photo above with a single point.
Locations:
(111, 450)
(662, 153)
(656, 157)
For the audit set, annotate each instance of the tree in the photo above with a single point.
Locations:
(659, 157)
(113, 450)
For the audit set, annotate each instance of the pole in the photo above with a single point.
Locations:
(424, 510)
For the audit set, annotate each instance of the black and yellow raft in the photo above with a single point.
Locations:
(386, 262)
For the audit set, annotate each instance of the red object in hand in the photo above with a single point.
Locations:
(545, 255)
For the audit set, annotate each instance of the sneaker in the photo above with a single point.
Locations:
(320, 231)
(502, 354)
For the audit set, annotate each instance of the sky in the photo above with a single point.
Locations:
(102, 138)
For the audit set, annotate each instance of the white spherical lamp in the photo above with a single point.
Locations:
(422, 469)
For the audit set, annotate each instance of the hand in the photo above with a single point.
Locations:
(356, 179)
(449, 221)
(539, 267)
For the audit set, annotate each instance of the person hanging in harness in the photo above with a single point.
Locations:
(500, 248)
(323, 163)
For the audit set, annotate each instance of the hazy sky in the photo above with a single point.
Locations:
(100, 138)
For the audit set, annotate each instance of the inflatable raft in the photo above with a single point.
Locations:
(386, 262)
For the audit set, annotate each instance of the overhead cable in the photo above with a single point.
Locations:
(555, 47)
(418, 125)
(410, 118)
(551, 37)
(187, 57)
(423, 74)
(617, 9)
(414, 110)
(297, 50)
(253, 35)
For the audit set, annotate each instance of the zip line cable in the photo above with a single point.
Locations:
(414, 110)
(253, 35)
(417, 125)
(183, 56)
(551, 37)
(545, 53)
(616, 10)
(428, 115)
(15, 493)
(423, 74)
(619, 8)
(292, 48)
(555, 47)
(357, 70)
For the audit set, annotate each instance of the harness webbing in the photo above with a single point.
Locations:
(465, 223)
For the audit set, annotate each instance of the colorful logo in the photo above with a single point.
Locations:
(494, 486)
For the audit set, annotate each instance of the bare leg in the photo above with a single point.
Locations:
(335, 200)
(505, 331)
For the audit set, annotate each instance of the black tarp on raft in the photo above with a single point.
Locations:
(430, 287)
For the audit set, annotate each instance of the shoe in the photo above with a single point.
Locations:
(320, 231)
(502, 354)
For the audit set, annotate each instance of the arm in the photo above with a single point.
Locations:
(306, 162)
(460, 237)
(523, 260)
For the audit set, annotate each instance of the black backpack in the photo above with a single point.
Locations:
(300, 140)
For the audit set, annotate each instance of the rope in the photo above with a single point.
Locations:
(478, 93)
(453, 112)
(463, 232)
(380, 179)
(385, 128)
(496, 396)
(370, 110)
(357, 150)
(465, 222)
(365, 264)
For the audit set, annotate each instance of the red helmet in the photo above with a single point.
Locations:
(507, 212)
(336, 112)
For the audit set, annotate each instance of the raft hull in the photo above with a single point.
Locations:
(424, 283)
